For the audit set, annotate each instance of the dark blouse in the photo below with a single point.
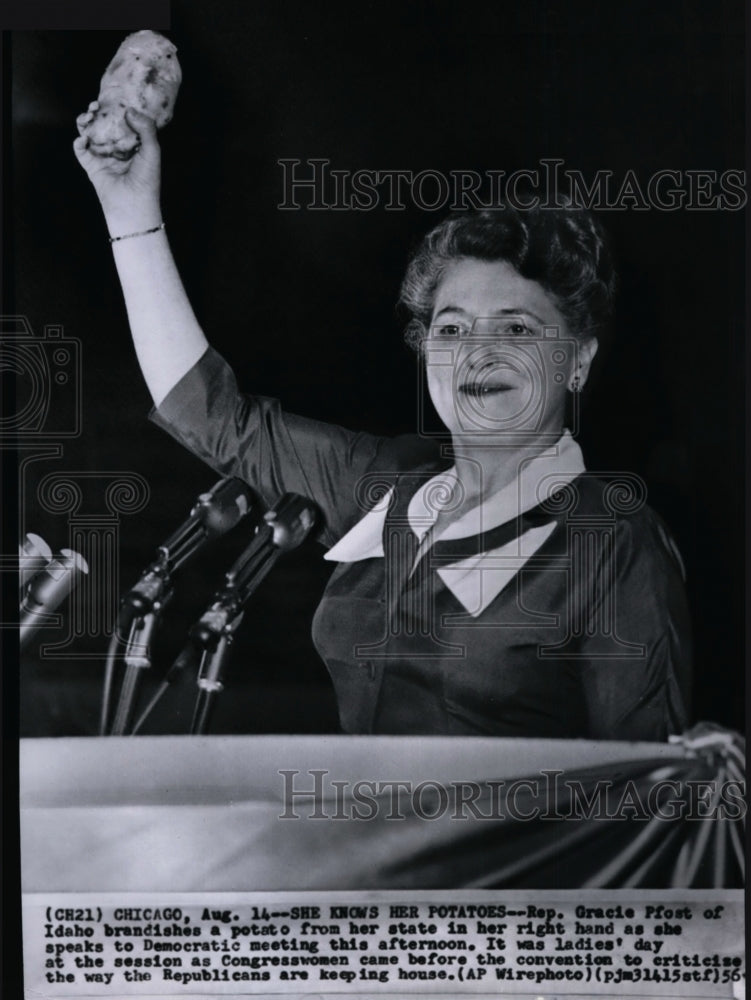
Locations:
(589, 639)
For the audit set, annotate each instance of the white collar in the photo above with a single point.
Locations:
(477, 580)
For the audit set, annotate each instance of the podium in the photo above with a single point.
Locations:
(267, 813)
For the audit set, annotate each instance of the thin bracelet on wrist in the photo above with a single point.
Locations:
(143, 232)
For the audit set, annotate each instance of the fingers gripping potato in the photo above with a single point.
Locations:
(145, 75)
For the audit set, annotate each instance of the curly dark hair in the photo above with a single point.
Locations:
(565, 250)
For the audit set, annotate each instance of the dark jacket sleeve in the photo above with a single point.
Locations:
(275, 452)
(636, 642)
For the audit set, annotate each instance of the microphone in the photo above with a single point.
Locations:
(47, 590)
(285, 527)
(214, 514)
(33, 554)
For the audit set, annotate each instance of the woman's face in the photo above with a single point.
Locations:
(499, 356)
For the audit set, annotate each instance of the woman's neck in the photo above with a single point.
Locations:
(485, 469)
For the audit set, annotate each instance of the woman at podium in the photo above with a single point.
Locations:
(487, 586)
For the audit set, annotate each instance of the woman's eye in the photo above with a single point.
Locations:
(449, 330)
(519, 330)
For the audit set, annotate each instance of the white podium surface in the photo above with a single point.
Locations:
(199, 814)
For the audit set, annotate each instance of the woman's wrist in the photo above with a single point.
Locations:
(139, 232)
(136, 220)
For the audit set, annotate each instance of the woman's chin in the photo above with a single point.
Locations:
(509, 433)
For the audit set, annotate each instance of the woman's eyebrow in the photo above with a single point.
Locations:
(451, 309)
(513, 311)
(520, 312)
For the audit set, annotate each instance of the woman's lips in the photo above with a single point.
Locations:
(481, 389)
(491, 377)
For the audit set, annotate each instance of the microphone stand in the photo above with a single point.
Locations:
(141, 608)
(137, 658)
(210, 677)
(214, 633)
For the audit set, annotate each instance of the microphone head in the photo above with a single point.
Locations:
(224, 507)
(33, 554)
(55, 582)
(48, 590)
(291, 521)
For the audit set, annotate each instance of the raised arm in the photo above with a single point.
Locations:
(199, 404)
(166, 334)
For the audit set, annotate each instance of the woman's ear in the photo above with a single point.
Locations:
(586, 355)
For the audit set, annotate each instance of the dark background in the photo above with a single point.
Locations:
(302, 303)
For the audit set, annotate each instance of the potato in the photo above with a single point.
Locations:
(144, 74)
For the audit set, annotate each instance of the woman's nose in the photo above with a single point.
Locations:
(496, 360)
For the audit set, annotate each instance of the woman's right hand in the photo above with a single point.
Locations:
(127, 189)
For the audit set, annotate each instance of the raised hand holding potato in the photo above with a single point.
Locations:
(123, 164)
(118, 131)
